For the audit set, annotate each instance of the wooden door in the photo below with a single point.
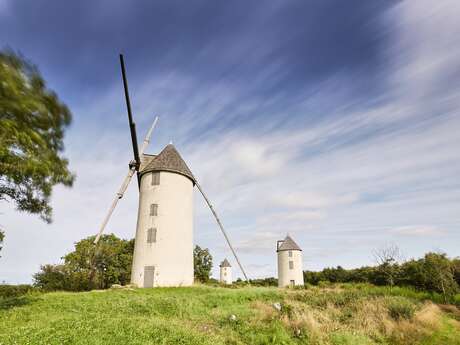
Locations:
(149, 274)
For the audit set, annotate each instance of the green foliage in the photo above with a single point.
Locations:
(14, 290)
(15, 295)
(202, 264)
(32, 124)
(434, 273)
(271, 281)
(456, 270)
(401, 308)
(90, 266)
(438, 274)
(109, 262)
(53, 277)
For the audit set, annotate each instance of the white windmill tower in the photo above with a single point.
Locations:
(290, 271)
(225, 272)
(163, 250)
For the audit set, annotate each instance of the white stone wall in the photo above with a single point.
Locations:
(226, 275)
(172, 253)
(285, 274)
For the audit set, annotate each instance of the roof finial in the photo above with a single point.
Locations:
(170, 142)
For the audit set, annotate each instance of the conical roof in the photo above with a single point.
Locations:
(225, 263)
(288, 244)
(168, 160)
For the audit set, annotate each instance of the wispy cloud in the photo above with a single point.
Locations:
(423, 230)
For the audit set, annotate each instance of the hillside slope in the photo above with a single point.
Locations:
(213, 315)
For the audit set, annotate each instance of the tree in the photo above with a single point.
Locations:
(456, 269)
(387, 258)
(202, 261)
(32, 124)
(439, 274)
(335, 275)
(90, 266)
(108, 262)
(413, 274)
(51, 277)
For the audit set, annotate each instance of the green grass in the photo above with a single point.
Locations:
(446, 334)
(349, 339)
(408, 292)
(201, 315)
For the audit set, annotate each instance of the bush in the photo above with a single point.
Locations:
(15, 295)
(7, 291)
(325, 283)
(51, 277)
(271, 281)
(400, 308)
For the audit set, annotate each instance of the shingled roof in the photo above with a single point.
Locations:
(288, 244)
(168, 160)
(225, 263)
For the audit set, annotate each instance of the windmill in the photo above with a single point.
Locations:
(290, 272)
(163, 250)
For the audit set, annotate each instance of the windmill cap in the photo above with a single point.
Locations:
(225, 263)
(170, 160)
(288, 244)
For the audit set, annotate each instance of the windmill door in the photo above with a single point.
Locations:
(149, 272)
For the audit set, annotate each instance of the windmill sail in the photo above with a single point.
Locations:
(132, 125)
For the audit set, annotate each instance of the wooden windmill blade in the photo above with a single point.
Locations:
(132, 126)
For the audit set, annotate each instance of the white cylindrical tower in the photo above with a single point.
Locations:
(163, 249)
(225, 272)
(290, 272)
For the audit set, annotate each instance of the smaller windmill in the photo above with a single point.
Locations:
(163, 252)
(225, 272)
(290, 271)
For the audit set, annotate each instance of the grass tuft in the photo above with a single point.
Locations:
(400, 308)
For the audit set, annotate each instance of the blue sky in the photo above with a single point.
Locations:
(334, 121)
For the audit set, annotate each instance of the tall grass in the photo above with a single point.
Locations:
(408, 292)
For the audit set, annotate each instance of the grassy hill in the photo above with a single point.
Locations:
(346, 314)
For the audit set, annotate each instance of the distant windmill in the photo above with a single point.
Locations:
(225, 272)
(163, 251)
(290, 271)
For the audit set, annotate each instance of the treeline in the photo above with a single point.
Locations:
(270, 281)
(435, 272)
(99, 267)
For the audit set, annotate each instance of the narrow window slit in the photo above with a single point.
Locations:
(154, 209)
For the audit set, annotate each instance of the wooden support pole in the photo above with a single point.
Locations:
(222, 229)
